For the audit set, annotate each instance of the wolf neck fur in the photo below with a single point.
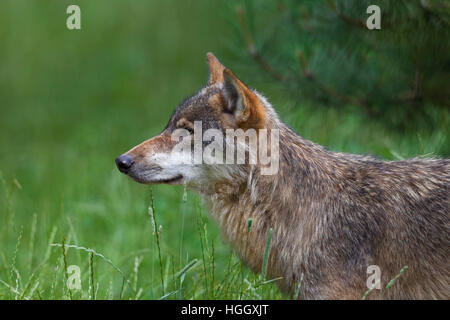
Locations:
(294, 191)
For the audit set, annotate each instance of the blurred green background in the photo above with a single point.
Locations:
(71, 101)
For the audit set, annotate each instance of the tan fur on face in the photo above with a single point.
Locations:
(217, 102)
(160, 143)
(184, 123)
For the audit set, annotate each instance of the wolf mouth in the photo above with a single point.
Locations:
(142, 180)
(174, 179)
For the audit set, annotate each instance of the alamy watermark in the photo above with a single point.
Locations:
(213, 147)
(374, 20)
(374, 280)
(74, 277)
(73, 21)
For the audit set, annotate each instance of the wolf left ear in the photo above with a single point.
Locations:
(242, 102)
(215, 69)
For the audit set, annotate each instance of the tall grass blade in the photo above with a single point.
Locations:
(266, 253)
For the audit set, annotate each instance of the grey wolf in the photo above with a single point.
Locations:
(333, 214)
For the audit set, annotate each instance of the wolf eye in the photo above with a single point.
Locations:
(183, 123)
(191, 130)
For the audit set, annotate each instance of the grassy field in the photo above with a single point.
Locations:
(71, 101)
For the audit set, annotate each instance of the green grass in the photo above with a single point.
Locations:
(71, 101)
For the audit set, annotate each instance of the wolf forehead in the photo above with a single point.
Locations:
(205, 106)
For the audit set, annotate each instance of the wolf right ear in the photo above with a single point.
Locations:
(242, 102)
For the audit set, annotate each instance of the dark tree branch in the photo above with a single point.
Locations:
(251, 49)
(307, 74)
(353, 22)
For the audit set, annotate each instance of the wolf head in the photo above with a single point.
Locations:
(177, 155)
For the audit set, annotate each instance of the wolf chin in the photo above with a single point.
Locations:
(333, 214)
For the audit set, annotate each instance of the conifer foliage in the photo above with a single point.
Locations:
(324, 50)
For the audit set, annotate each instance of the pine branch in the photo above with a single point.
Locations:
(353, 22)
(251, 49)
(307, 74)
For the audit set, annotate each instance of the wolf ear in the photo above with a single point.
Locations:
(242, 102)
(215, 69)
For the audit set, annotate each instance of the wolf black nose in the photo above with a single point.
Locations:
(124, 163)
